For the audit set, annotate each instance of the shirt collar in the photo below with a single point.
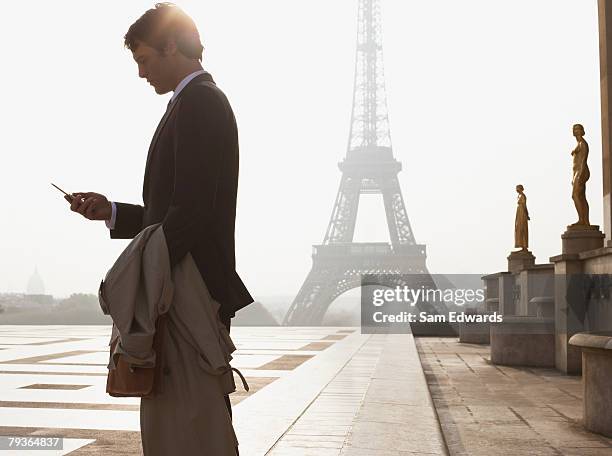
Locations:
(186, 80)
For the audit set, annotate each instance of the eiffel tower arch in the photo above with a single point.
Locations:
(369, 167)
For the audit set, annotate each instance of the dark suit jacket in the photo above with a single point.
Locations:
(190, 185)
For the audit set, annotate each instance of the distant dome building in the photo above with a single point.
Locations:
(36, 285)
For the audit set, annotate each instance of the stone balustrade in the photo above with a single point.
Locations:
(596, 375)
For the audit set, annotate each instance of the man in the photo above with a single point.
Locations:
(191, 173)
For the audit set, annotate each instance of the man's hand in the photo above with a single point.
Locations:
(92, 206)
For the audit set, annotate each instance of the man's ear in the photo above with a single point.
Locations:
(170, 48)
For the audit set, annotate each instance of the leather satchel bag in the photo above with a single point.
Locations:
(127, 380)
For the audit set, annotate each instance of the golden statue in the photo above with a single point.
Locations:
(521, 230)
(580, 176)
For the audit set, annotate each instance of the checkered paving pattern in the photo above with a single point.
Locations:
(52, 383)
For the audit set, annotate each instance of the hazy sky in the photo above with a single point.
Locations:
(482, 96)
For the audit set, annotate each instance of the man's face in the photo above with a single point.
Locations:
(155, 67)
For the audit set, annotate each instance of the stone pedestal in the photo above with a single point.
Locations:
(523, 341)
(517, 261)
(568, 311)
(500, 293)
(491, 283)
(579, 239)
(570, 301)
(596, 375)
(507, 294)
(535, 282)
(597, 265)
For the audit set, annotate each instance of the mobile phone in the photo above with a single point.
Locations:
(67, 196)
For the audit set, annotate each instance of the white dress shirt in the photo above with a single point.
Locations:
(181, 85)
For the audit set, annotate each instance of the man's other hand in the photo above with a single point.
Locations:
(90, 205)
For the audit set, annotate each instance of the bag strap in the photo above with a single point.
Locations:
(245, 385)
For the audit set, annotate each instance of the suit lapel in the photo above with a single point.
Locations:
(160, 126)
(164, 119)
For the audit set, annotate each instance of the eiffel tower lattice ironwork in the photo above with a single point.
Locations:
(369, 167)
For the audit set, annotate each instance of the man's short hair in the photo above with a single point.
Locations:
(157, 25)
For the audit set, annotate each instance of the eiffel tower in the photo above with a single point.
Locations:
(369, 167)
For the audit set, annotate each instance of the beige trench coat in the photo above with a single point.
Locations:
(189, 416)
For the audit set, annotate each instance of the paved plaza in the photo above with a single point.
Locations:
(313, 391)
(324, 391)
(486, 409)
